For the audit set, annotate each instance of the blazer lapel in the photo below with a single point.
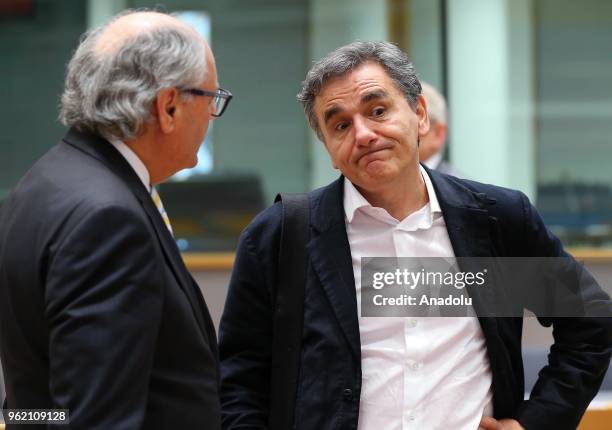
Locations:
(468, 230)
(465, 214)
(331, 260)
(468, 224)
(173, 257)
(469, 227)
(109, 156)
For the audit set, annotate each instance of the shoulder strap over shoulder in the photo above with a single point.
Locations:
(289, 310)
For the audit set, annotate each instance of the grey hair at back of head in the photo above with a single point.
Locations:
(349, 57)
(112, 94)
(436, 104)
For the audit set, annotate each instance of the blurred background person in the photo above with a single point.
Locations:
(432, 144)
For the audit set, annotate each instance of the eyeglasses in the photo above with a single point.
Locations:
(221, 98)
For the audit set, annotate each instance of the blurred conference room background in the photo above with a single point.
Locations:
(529, 85)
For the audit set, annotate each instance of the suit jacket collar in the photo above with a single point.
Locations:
(469, 227)
(466, 215)
(330, 255)
(453, 196)
(108, 155)
(104, 152)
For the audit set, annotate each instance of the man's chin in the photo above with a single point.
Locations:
(378, 169)
(372, 182)
(192, 163)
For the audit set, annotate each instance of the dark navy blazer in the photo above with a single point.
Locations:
(482, 220)
(98, 313)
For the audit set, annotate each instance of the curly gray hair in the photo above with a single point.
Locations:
(346, 59)
(111, 94)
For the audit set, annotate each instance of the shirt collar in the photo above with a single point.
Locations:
(133, 160)
(353, 200)
(433, 198)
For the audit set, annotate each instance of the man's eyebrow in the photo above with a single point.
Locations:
(331, 112)
(374, 95)
(366, 98)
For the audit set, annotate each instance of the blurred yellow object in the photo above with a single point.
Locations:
(208, 261)
(592, 255)
(597, 419)
(1, 426)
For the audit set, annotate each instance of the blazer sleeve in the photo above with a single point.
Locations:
(103, 303)
(245, 333)
(580, 353)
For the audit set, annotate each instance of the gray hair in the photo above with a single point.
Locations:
(436, 104)
(112, 94)
(347, 58)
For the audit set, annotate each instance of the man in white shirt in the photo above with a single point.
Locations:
(98, 313)
(372, 373)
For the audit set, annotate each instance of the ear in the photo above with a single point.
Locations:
(166, 105)
(422, 115)
(441, 131)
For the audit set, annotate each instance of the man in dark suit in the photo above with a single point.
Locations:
(98, 313)
(363, 100)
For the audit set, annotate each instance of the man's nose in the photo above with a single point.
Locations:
(364, 135)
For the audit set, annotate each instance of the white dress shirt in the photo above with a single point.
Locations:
(417, 373)
(142, 172)
(133, 160)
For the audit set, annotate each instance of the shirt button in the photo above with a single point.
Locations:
(348, 394)
(411, 418)
(416, 366)
(412, 323)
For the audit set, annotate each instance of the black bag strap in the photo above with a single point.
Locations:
(288, 310)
